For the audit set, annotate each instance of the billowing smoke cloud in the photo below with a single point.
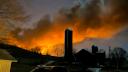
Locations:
(92, 16)
(27, 36)
(11, 14)
(120, 10)
(90, 19)
(118, 40)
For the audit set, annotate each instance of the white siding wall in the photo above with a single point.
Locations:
(5, 65)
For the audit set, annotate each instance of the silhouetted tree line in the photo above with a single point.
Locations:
(117, 58)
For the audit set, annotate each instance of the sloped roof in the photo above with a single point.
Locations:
(4, 55)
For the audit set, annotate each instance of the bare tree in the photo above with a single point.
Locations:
(36, 50)
(118, 57)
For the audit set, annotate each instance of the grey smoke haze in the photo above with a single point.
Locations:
(119, 40)
(90, 14)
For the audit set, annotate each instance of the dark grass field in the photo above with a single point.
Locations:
(18, 67)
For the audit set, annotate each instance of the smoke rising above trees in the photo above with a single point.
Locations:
(92, 18)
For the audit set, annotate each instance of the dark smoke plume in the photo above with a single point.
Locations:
(88, 16)
(83, 19)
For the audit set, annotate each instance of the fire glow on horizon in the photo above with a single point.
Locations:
(90, 21)
(53, 41)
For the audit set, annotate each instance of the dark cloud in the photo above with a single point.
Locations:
(42, 27)
(120, 10)
(11, 14)
(118, 40)
(89, 17)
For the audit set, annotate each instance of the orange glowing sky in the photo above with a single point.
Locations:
(89, 19)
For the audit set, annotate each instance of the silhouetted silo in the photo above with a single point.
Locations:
(68, 45)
